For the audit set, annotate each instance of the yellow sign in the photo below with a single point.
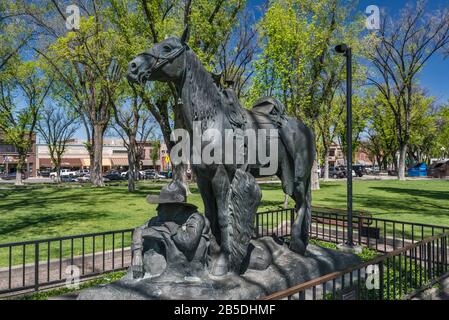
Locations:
(167, 159)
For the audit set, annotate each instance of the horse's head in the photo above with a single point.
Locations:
(163, 62)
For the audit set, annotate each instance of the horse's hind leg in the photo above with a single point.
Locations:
(300, 228)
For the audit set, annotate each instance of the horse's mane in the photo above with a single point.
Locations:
(204, 94)
(206, 97)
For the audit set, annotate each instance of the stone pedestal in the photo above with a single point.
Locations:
(281, 269)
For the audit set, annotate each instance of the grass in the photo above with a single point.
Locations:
(45, 295)
(48, 211)
(412, 201)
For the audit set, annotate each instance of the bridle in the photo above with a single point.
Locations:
(162, 61)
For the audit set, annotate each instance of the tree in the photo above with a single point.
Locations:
(155, 151)
(442, 124)
(210, 23)
(134, 125)
(380, 130)
(359, 122)
(82, 61)
(18, 119)
(423, 129)
(13, 35)
(236, 54)
(398, 54)
(57, 126)
(297, 64)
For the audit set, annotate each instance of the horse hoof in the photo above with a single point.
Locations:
(220, 266)
(298, 247)
(137, 272)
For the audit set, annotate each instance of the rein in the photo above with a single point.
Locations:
(161, 61)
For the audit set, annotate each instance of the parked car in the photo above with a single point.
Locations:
(166, 174)
(69, 179)
(113, 177)
(85, 178)
(82, 172)
(63, 173)
(359, 170)
(9, 176)
(337, 173)
(439, 170)
(44, 173)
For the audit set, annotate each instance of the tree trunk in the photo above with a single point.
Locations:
(131, 162)
(19, 169)
(19, 181)
(402, 156)
(315, 180)
(180, 174)
(326, 165)
(180, 171)
(58, 173)
(96, 166)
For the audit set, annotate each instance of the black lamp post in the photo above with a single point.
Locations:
(347, 52)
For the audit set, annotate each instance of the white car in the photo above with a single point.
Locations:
(85, 178)
(82, 172)
(63, 173)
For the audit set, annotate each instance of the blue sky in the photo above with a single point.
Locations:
(435, 75)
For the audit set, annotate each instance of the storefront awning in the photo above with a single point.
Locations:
(65, 162)
(106, 162)
(150, 162)
(120, 162)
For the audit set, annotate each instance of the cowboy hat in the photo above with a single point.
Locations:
(174, 192)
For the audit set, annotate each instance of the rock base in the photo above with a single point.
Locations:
(285, 269)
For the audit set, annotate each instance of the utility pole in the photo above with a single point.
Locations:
(347, 52)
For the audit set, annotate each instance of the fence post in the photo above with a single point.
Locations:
(257, 226)
(381, 280)
(36, 266)
(429, 261)
(292, 218)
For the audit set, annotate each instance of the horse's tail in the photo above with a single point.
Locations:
(244, 197)
(305, 232)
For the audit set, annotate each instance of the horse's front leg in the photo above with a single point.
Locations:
(220, 186)
(210, 211)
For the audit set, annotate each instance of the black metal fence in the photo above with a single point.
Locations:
(328, 225)
(33, 265)
(396, 275)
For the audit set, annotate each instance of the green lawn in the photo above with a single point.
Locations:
(42, 212)
(412, 201)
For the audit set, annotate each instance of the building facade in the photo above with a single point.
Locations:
(337, 158)
(115, 156)
(9, 158)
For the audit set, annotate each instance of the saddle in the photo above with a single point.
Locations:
(272, 108)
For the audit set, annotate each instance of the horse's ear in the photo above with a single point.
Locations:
(185, 35)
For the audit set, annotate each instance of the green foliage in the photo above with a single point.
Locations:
(44, 295)
(18, 117)
(155, 149)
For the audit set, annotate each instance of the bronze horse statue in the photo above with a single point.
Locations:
(203, 100)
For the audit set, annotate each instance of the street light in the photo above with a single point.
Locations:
(347, 52)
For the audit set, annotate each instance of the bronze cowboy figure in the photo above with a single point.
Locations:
(176, 240)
